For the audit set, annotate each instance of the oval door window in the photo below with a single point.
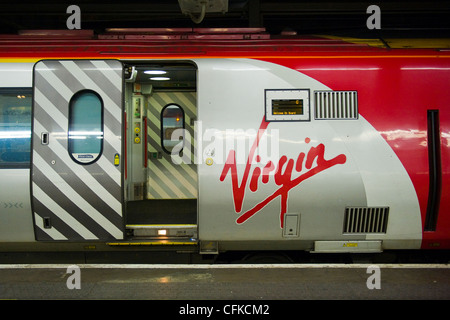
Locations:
(172, 119)
(85, 127)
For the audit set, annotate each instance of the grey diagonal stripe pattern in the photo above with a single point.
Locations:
(83, 202)
(166, 179)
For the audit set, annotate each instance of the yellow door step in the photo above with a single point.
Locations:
(154, 243)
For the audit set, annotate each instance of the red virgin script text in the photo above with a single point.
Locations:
(282, 176)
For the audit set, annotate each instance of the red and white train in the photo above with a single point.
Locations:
(218, 140)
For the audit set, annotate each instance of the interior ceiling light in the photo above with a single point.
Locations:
(160, 78)
(155, 72)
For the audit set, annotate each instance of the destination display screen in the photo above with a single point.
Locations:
(287, 107)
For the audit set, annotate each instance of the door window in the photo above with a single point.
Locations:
(85, 127)
(172, 118)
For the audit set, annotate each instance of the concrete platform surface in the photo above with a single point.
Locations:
(225, 282)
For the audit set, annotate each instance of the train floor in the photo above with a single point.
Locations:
(202, 282)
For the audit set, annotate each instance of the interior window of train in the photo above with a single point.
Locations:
(172, 118)
(85, 127)
(15, 127)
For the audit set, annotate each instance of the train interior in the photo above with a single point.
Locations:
(160, 189)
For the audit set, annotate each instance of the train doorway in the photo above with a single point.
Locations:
(161, 175)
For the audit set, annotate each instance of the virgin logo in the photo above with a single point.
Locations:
(287, 174)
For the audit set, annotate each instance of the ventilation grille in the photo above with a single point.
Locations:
(366, 219)
(336, 105)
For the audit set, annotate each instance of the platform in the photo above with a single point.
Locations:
(225, 282)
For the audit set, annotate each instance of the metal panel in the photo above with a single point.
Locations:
(347, 246)
(15, 222)
(70, 200)
(291, 225)
(336, 105)
(366, 219)
(371, 176)
(234, 120)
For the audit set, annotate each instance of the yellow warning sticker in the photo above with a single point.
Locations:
(116, 159)
(350, 245)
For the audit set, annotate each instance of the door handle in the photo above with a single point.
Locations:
(44, 138)
(145, 143)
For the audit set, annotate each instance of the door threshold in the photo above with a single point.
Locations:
(163, 230)
(155, 242)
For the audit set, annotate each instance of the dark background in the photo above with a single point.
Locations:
(401, 18)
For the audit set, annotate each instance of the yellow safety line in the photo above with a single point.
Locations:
(397, 43)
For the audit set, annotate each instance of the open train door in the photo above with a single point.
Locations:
(76, 187)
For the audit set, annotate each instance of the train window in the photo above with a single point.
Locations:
(172, 118)
(85, 127)
(15, 127)
(287, 105)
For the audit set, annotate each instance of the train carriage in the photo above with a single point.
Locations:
(219, 140)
